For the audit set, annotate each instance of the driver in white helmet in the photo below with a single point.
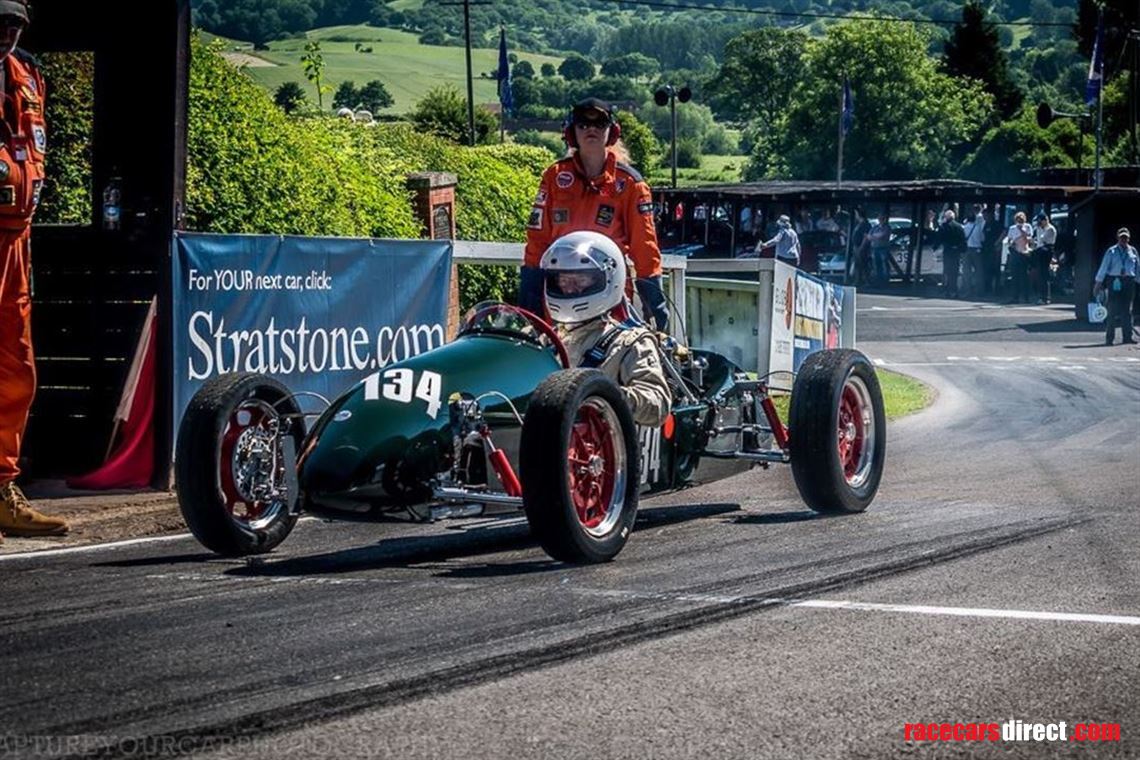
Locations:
(584, 277)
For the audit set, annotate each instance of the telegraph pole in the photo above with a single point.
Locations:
(470, 86)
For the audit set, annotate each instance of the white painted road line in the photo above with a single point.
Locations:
(92, 547)
(978, 612)
(829, 604)
(1002, 362)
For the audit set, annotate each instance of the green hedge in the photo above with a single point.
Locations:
(69, 79)
(253, 169)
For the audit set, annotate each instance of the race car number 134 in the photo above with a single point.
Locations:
(398, 386)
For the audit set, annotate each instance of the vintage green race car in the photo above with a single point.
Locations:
(496, 422)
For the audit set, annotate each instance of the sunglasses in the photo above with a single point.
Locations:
(594, 123)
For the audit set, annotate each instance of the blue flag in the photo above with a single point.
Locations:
(504, 75)
(1096, 66)
(848, 106)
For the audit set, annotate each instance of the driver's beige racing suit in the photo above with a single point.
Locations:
(628, 355)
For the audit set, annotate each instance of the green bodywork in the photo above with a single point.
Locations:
(384, 447)
(374, 449)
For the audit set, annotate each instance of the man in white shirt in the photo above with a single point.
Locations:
(1044, 238)
(1117, 276)
(787, 242)
(975, 237)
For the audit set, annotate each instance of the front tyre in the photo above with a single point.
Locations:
(233, 467)
(579, 466)
(838, 431)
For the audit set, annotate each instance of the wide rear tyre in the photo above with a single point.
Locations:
(230, 463)
(838, 431)
(579, 467)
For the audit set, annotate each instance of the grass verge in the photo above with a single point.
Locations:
(902, 395)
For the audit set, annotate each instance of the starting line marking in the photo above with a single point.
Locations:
(914, 609)
(978, 612)
(37, 553)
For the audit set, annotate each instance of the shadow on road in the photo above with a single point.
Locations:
(778, 518)
(490, 538)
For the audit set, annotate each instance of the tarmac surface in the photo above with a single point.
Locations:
(995, 578)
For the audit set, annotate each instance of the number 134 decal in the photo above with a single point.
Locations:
(399, 384)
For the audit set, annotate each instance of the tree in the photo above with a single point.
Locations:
(910, 117)
(523, 70)
(375, 96)
(631, 65)
(694, 120)
(643, 147)
(1119, 17)
(974, 50)
(289, 97)
(576, 68)
(548, 69)
(314, 65)
(346, 96)
(759, 71)
(443, 112)
(1018, 144)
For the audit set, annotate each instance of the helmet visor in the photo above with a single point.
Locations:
(575, 283)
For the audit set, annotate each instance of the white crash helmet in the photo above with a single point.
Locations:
(584, 275)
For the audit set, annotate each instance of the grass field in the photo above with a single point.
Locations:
(713, 169)
(407, 68)
(902, 395)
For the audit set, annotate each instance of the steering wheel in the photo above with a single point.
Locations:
(538, 323)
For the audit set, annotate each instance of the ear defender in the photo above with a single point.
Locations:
(568, 131)
(615, 131)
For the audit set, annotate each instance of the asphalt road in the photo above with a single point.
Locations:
(995, 578)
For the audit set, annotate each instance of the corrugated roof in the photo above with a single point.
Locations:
(788, 190)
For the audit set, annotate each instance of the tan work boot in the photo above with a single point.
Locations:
(17, 518)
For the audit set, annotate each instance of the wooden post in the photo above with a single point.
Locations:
(434, 205)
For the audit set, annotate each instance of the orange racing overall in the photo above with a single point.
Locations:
(22, 143)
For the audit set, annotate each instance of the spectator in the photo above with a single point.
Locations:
(786, 242)
(1020, 238)
(975, 258)
(592, 189)
(860, 248)
(1044, 239)
(994, 235)
(22, 145)
(1117, 276)
(952, 238)
(879, 240)
(827, 222)
(804, 222)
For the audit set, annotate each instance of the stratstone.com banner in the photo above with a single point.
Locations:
(316, 313)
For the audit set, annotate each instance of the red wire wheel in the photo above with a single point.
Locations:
(246, 460)
(578, 461)
(595, 462)
(234, 463)
(837, 431)
(854, 424)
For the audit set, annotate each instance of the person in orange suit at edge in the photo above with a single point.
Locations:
(23, 140)
(593, 190)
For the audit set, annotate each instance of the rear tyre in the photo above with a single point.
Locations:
(231, 467)
(838, 433)
(579, 467)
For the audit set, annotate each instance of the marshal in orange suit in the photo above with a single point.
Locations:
(23, 141)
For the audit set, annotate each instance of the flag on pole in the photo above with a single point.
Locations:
(504, 74)
(848, 106)
(1096, 66)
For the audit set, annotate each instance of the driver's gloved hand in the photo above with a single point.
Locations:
(653, 299)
